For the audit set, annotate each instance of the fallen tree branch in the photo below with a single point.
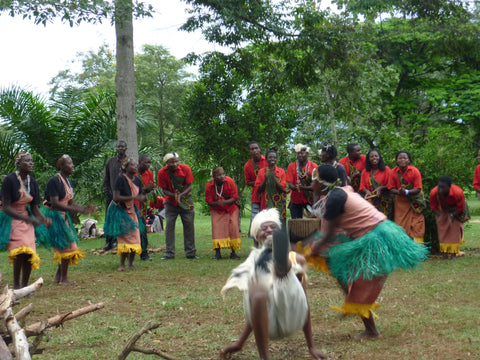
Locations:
(24, 312)
(38, 327)
(19, 340)
(27, 290)
(4, 351)
(154, 352)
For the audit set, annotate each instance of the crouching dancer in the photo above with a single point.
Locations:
(273, 281)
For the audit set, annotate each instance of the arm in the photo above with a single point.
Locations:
(187, 190)
(36, 212)
(307, 330)
(236, 346)
(7, 209)
(329, 234)
(117, 197)
(168, 192)
(106, 179)
(71, 207)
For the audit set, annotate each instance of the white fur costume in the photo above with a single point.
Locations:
(287, 302)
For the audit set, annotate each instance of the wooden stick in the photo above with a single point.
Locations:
(38, 327)
(5, 353)
(24, 312)
(28, 289)
(19, 340)
(154, 352)
(130, 346)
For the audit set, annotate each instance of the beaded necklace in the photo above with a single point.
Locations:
(22, 185)
(68, 187)
(219, 194)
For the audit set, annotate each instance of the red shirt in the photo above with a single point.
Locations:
(411, 175)
(455, 198)
(147, 179)
(298, 197)
(279, 173)
(381, 176)
(359, 163)
(476, 178)
(164, 182)
(214, 193)
(251, 175)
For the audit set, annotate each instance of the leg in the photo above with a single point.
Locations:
(131, 257)
(56, 279)
(259, 316)
(123, 256)
(109, 240)
(236, 346)
(64, 273)
(371, 330)
(17, 268)
(144, 243)
(218, 254)
(171, 213)
(26, 269)
(296, 210)
(255, 210)
(188, 218)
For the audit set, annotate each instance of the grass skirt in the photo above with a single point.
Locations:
(41, 232)
(34, 259)
(60, 235)
(71, 256)
(118, 223)
(379, 252)
(129, 248)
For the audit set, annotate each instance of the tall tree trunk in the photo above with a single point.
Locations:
(125, 77)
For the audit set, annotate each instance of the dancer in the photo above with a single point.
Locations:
(372, 248)
(17, 225)
(374, 183)
(405, 182)
(123, 217)
(273, 282)
(62, 234)
(354, 163)
(271, 183)
(448, 203)
(250, 169)
(222, 197)
(299, 179)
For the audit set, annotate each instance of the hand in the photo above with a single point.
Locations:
(177, 196)
(401, 191)
(149, 187)
(316, 354)
(141, 197)
(90, 209)
(378, 190)
(47, 222)
(229, 349)
(34, 221)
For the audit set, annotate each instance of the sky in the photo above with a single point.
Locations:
(33, 54)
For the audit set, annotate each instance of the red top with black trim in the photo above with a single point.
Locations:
(411, 175)
(214, 192)
(298, 197)
(251, 175)
(164, 182)
(381, 176)
(279, 173)
(455, 198)
(359, 163)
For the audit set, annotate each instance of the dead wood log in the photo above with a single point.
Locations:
(19, 340)
(27, 290)
(24, 312)
(4, 351)
(38, 327)
(130, 346)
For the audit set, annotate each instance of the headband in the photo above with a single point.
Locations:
(169, 156)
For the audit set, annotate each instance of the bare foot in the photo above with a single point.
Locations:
(367, 335)
(121, 268)
(132, 267)
(67, 283)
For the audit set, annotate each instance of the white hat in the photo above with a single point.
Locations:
(301, 147)
(263, 217)
(169, 156)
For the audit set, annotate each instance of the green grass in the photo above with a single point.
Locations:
(430, 313)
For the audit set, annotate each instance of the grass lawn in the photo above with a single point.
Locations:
(431, 313)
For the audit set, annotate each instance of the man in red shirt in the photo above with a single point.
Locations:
(148, 184)
(448, 204)
(354, 163)
(176, 180)
(299, 179)
(255, 163)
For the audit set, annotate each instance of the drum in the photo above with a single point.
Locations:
(300, 229)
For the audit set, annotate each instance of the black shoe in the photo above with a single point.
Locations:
(167, 258)
(217, 257)
(108, 247)
(193, 257)
(146, 258)
(234, 256)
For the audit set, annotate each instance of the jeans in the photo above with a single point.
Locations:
(187, 216)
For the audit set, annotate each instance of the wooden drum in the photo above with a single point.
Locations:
(300, 229)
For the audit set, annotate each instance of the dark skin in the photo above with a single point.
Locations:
(121, 150)
(329, 234)
(172, 166)
(402, 163)
(219, 179)
(270, 173)
(258, 306)
(443, 191)
(143, 166)
(256, 155)
(354, 155)
(374, 159)
(130, 171)
(302, 158)
(67, 169)
(22, 268)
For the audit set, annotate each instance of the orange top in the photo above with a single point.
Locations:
(347, 162)
(251, 173)
(381, 176)
(411, 175)
(455, 199)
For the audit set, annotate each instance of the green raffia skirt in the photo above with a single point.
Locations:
(118, 223)
(41, 231)
(379, 252)
(60, 235)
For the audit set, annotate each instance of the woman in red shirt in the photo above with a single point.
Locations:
(222, 196)
(405, 182)
(374, 183)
